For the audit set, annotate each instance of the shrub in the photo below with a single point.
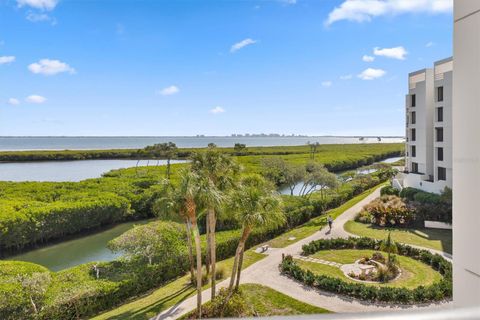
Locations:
(378, 256)
(389, 191)
(388, 211)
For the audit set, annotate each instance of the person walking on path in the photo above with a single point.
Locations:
(330, 222)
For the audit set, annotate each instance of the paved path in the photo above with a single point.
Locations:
(319, 261)
(266, 272)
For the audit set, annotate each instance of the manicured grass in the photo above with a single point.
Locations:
(414, 273)
(317, 223)
(268, 302)
(262, 301)
(174, 292)
(429, 238)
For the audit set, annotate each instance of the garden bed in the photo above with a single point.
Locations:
(323, 277)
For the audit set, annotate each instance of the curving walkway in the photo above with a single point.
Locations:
(266, 272)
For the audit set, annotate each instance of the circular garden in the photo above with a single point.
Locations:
(372, 270)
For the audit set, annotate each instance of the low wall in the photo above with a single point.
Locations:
(437, 225)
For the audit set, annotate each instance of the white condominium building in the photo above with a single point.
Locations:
(428, 148)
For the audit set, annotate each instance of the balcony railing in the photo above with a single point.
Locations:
(434, 314)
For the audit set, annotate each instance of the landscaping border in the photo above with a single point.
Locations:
(438, 291)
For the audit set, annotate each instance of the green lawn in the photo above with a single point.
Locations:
(414, 273)
(262, 301)
(315, 224)
(429, 238)
(166, 296)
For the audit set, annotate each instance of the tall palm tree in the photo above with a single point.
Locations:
(255, 204)
(171, 205)
(189, 190)
(219, 171)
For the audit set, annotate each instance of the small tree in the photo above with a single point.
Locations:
(318, 177)
(390, 247)
(34, 287)
(313, 149)
(159, 239)
(239, 148)
(166, 150)
(281, 172)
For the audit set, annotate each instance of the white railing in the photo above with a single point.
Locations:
(435, 314)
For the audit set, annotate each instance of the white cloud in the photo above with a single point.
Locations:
(40, 17)
(327, 84)
(242, 44)
(429, 44)
(13, 102)
(35, 99)
(50, 67)
(38, 4)
(370, 74)
(346, 77)
(365, 10)
(368, 58)
(217, 110)
(289, 1)
(7, 59)
(394, 53)
(168, 91)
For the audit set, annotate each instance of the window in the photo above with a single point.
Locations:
(414, 117)
(442, 174)
(440, 114)
(440, 154)
(439, 134)
(414, 151)
(413, 100)
(440, 94)
(413, 134)
(414, 167)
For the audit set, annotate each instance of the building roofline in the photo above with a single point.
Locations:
(414, 73)
(436, 63)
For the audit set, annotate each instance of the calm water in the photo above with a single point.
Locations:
(77, 143)
(67, 170)
(299, 185)
(70, 253)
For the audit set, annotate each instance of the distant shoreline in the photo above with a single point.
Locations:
(207, 136)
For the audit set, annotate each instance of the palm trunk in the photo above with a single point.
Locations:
(168, 168)
(190, 250)
(241, 245)
(192, 215)
(198, 249)
(207, 252)
(213, 248)
(239, 271)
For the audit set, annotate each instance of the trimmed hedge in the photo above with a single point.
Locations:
(436, 292)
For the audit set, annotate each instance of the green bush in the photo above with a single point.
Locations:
(387, 211)
(435, 292)
(390, 191)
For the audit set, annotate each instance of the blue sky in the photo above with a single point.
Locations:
(214, 67)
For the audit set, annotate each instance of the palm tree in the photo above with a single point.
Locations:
(189, 189)
(254, 204)
(389, 246)
(219, 172)
(171, 205)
